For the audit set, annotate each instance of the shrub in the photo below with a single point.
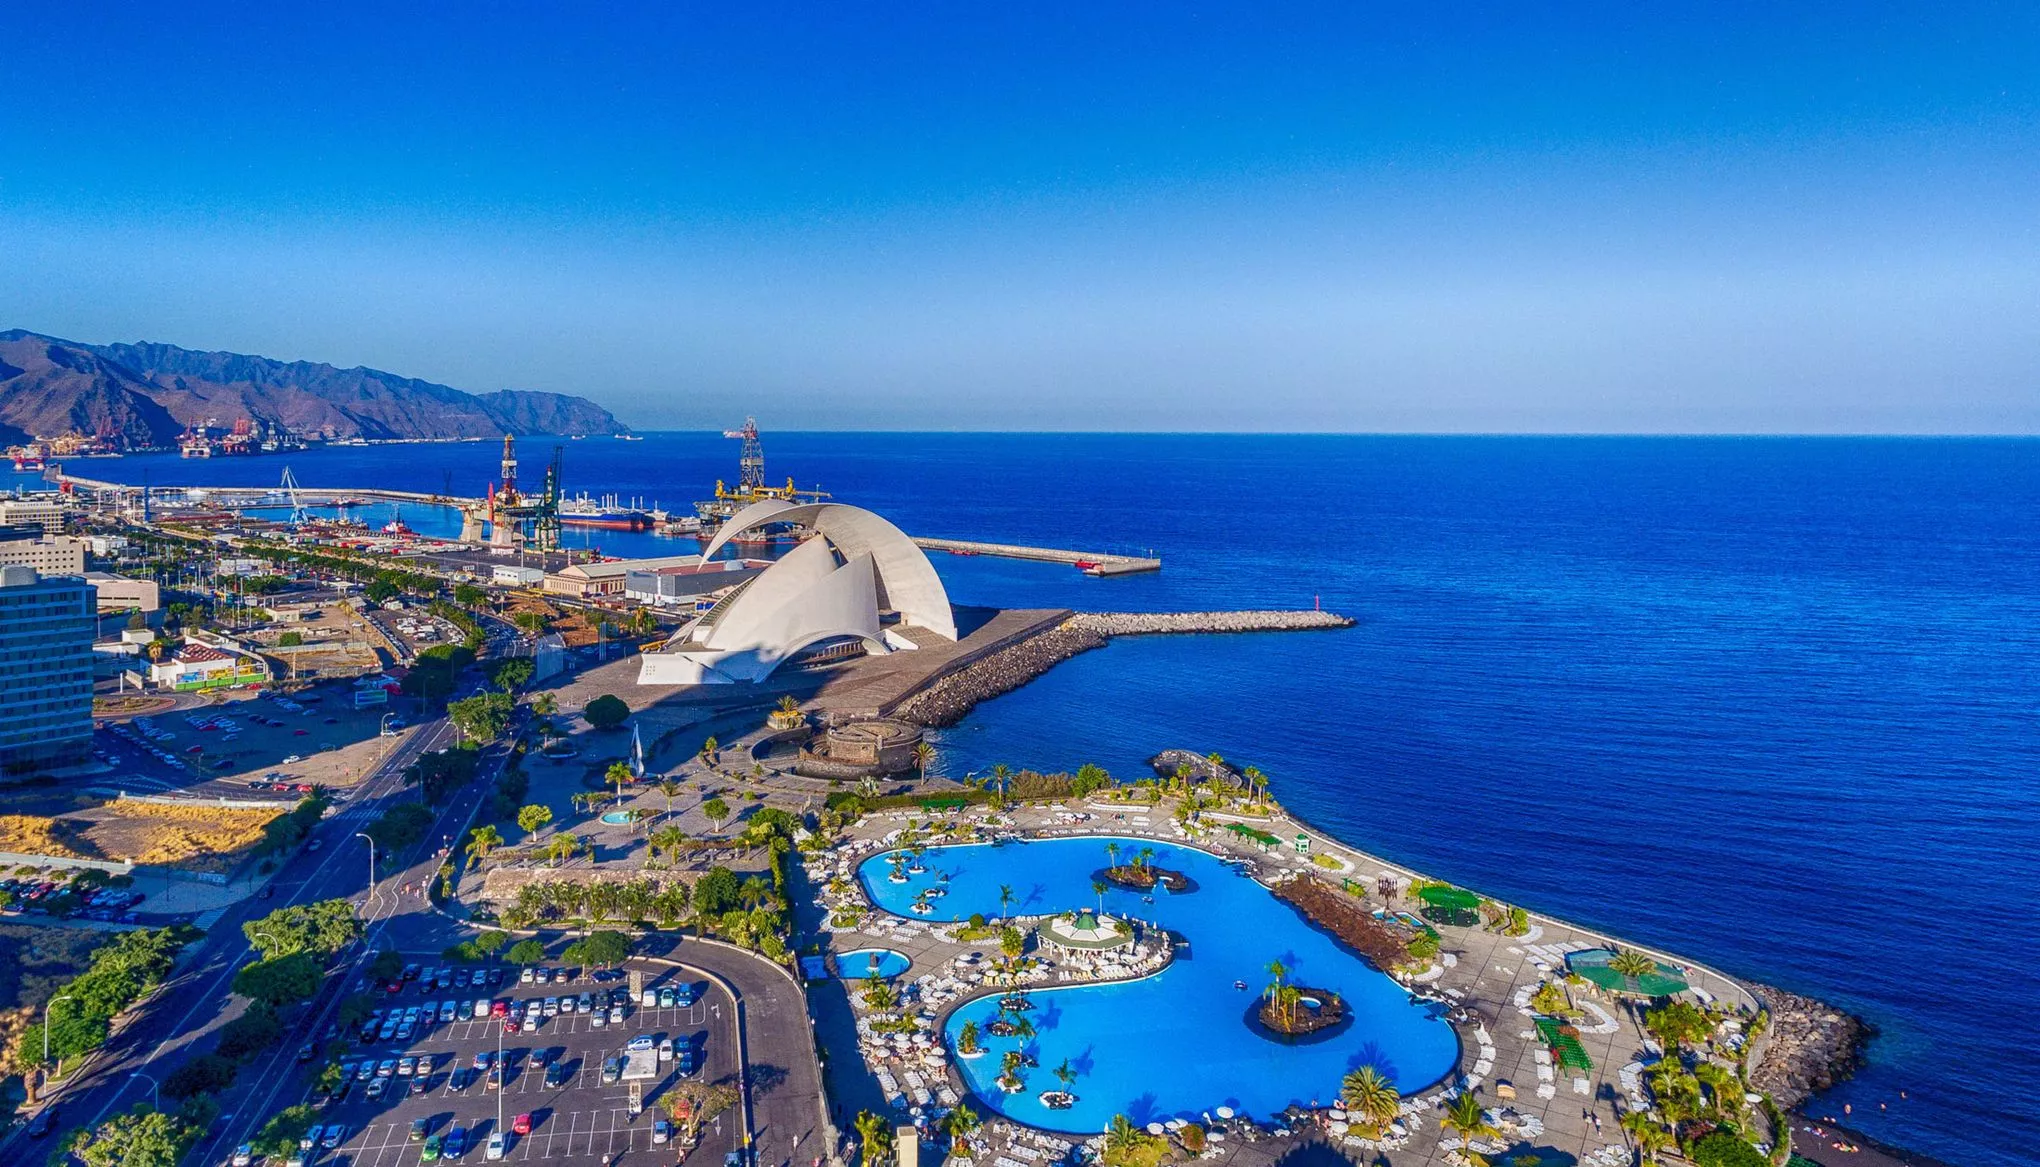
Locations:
(1722, 1149)
(606, 712)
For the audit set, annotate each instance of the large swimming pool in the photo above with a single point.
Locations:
(1176, 1044)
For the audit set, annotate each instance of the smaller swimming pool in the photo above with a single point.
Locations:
(617, 818)
(865, 962)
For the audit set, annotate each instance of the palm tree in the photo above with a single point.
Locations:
(481, 841)
(1123, 1138)
(967, 1038)
(1372, 1096)
(669, 788)
(1098, 889)
(667, 841)
(1287, 998)
(710, 750)
(1066, 1076)
(1002, 774)
(1632, 964)
(963, 1122)
(1006, 898)
(1112, 854)
(561, 847)
(1651, 1139)
(1467, 1117)
(924, 756)
(1278, 970)
(753, 891)
(1144, 858)
(618, 775)
(1724, 1090)
(874, 1136)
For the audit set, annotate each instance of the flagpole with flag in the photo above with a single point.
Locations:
(637, 752)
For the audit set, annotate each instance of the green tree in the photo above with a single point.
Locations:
(619, 776)
(874, 1137)
(606, 712)
(512, 673)
(468, 595)
(204, 1074)
(717, 811)
(140, 1138)
(387, 965)
(600, 949)
(482, 718)
(481, 841)
(255, 1030)
(1468, 1119)
(533, 818)
(291, 639)
(717, 892)
(281, 1133)
(525, 951)
(399, 827)
(322, 928)
(283, 981)
(1368, 1092)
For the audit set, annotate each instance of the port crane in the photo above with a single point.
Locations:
(750, 481)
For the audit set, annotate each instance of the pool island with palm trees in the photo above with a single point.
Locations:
(1176, 968)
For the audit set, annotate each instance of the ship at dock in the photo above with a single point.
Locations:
(711, 513)
(606, 513)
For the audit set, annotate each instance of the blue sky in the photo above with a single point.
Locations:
(1345, 217)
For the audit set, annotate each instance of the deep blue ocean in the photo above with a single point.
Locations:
(1771, 703)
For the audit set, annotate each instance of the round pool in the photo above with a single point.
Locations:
(865, 962)
(1173, 1045)
(617, 818)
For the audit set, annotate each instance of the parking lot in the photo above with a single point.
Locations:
(553, 1074)
(265, 746)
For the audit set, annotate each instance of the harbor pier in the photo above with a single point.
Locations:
(1092, 562)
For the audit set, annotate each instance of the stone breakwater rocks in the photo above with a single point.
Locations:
(1811, 1047)
(949, 698)
(1201, 767)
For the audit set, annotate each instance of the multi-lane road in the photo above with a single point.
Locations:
(157, 1035)
(774, 1056)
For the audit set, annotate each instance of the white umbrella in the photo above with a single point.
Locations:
(1225, 1112)
(1154, 1128)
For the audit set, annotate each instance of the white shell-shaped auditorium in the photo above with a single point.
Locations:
(858, 586)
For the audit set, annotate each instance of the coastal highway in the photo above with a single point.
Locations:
(156, 1036)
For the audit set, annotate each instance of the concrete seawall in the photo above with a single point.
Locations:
(947, 700)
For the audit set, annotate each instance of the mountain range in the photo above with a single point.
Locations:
(146, 394)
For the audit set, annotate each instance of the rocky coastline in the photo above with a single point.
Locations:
(947, 700)
(1811, 1046)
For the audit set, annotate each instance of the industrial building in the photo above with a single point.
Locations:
(46, 668)
(505, 575)
(687, 582)
(587, 581)
(858, 586)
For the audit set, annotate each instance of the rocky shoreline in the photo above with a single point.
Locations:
(1811, 1046)
(951, 697)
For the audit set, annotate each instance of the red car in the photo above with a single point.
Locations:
(510, 1026)
(500, 1009)
(521, 1125)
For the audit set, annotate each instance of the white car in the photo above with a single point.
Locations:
(649, 999)
(665, 1049)
(293, 758)
(244, 1156)
(497, 1144)
(479, 1008)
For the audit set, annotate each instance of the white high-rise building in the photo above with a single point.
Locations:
(46, 628)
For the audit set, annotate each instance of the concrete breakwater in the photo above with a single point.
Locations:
(947, 700)
(1160, 623)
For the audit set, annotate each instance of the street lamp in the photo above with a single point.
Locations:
(371, 859)
(155, 1090)
(46, 1029)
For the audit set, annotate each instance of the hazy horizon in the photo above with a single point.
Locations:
(1299, 219)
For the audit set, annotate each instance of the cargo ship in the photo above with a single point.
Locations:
(605, 513)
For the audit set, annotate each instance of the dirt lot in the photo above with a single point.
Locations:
(336, 642)
(200, 838)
